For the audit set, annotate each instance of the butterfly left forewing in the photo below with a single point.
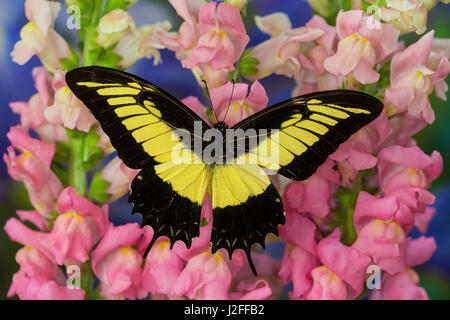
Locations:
(143, 123)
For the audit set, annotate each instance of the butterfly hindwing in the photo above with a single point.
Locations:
(246, 207)
(307, 129)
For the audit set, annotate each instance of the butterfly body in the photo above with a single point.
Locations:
(182, 158)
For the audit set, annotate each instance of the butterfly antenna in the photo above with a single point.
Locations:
(229, 102)
(210, 101)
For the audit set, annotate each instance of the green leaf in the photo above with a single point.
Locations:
(203, 222)
(346, 5)
(95, 154)
(62, 153)
(70, 63)
(117, 4)
(108, 58)
(247, 65)
(98, 187)
(61, 172)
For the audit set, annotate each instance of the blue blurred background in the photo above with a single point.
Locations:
(17, 85)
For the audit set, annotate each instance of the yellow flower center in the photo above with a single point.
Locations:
(74, 215)
(236, 106)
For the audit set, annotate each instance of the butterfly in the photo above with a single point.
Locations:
(148, 128)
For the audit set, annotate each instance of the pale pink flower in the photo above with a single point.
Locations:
(406, 173)
(221, 41)
(280, 54)
(241, 105)
(162, 268)
(268, 285)
(300, 256)
(119, 177)
(405, 15)
(206, 276)
(404, 285)
(347, 263)
(188, 34)
(195, 105)
(32, 167)
(145, 41)
(39, 277)
(412, 79)
(358, 149)
(361, 47)
(222, 38)
(38, 36)
(326, 285)
(385, 242)
(296, 266)
(39, 288)
(439, 62)
(32, 112)
(313, 195)
(78, 227)
(313, 76)
(400, 286)
(35, 218)
(117, 264)
(67, 109)
(113, 26)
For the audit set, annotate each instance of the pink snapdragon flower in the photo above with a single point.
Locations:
(67, 109)
(404, 284)
(38, 36)
(406, 173)
(188, 34)
(145, 41)
(117, 264)
(32, 112)
(162, 268)
(400, 286)
(206, 276)
(210, 49)
(280, 53)
(344, 262)
(195, 105)
(356, 153)
(32, 167)
(412, 79)
(405, 15)
(221, 43)
(361, 47)
(241, 105)
(39, 278)
(313, 195)
(119, 177)
(78, 227)
(313, 76)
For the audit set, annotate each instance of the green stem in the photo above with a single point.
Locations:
(77, 174)
(90, 31)
(87, 281)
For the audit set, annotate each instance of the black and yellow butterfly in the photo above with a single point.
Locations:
(141, 120)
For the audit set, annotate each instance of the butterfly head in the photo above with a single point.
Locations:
(221, 125)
